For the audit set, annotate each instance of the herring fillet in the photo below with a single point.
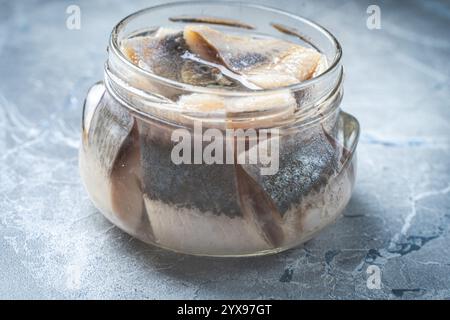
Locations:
(267, 62)
(258, 206)
(187, 201)
(305, 165)
(163, 52)
(255, 203)
(113, 144)
(126, 184)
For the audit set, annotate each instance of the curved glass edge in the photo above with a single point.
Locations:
(115, 49)
(350, 128)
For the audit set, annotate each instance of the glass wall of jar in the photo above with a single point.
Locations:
(134, 122)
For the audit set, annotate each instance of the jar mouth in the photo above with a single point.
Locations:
(333, 65)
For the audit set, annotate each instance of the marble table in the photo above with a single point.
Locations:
(55, 244)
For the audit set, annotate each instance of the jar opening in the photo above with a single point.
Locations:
(119, 32)
(130, 83)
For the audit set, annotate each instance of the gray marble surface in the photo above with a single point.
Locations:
(55, 244)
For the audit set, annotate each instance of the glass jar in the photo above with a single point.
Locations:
(133, 124)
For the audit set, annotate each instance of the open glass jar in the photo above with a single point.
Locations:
(299, 180)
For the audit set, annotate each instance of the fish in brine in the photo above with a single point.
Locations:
(266, 62)
(163, 53)
(115, 183)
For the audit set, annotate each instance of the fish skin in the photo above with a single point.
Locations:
(208, 188)
(198, 74)
(211, 20)
(113, 142)
(110, 126)
(219, 189)
(305, 165)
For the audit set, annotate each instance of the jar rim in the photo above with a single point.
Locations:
(114, 46)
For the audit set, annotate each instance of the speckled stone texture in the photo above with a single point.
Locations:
(55, 244)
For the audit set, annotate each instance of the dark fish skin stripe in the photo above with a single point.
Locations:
(110, 126)
(294, 32)
(208, 188)
(257, 206)
(126, 186)
(212, 20)
(247, 60)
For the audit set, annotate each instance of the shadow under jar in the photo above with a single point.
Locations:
(233, 209)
